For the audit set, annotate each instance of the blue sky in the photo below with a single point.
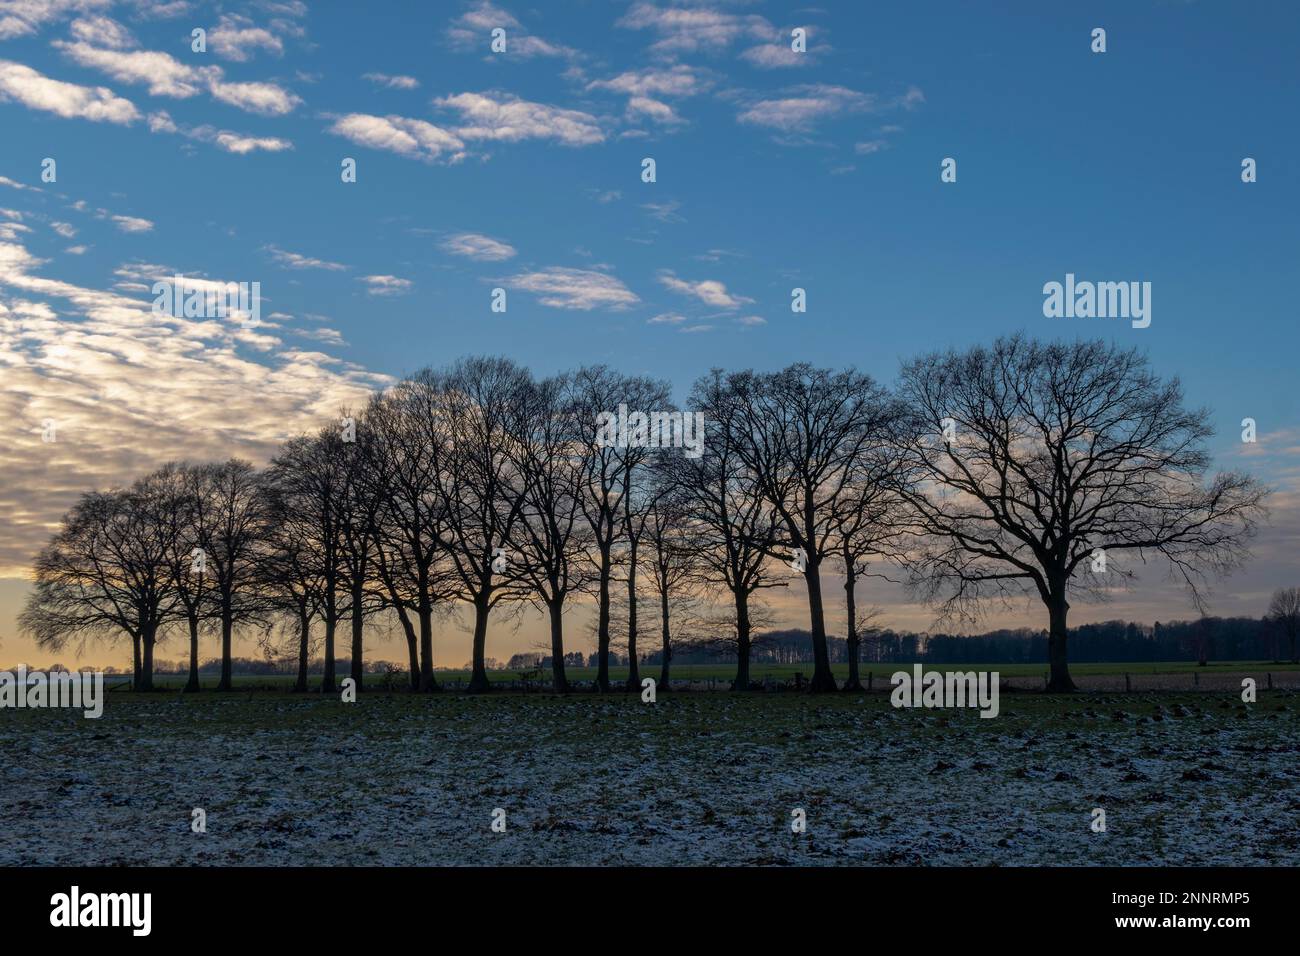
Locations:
(523, 170)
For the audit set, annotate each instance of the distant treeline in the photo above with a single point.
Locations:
(1211, 638)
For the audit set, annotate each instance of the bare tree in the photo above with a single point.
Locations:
(1284, 612)
(673, 567)
(732, 528)
(289, 574)
(106, 572)
(610, 471)
(230, 518)
(308, 472)
(482, 489)
(803, 435)
(548, 452)
(178, 488)
(1041, 465)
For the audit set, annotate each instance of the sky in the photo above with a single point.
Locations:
(523, 170)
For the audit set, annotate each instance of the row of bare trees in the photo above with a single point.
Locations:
(1020, 469)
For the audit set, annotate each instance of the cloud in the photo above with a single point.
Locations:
(25, 17)
(14, 184)
(231, 142)
(65, 229)
(472, 245)
(236, 38)
(775, 56)
(386, 285)
(751, 320)
(806, 106)
(677, 80)
(392, 82)
(695, 29)
(869, 147)
(660, 112)
(127, 390)
(293, 260)
(664, 211)
(667, 318)
(472, 30)
(580, 289)
(506, 118)
(164, 75)
(132, 224)
(22, 84)
(709, 291)
(407, 137)
(104, 31)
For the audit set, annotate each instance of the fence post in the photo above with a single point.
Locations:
(869, 676)
(1270, 680)
(1196, 678)
(1128, 684)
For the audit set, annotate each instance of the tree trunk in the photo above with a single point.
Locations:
(327, 679)
(633, 670)
(823, 681)
(358, 628)
(478, 681)
(304, 644)
(666, 642)
(560, 682)
(146, 668)
(602, 629)
(427, 684)
(192, 685)
(227, 632)
(135, 662)
(1058, 681)
(742, 642)
(852, 642)
(1293, 657)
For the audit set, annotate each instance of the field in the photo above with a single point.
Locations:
(720, 675)
(1183, 778)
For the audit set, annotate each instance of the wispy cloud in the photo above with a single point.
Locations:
(709, 291)
(473, 245)
(293, 260)
(392, 82)
(386, 285)
(413, 138)
(580, 289)
(503, 117)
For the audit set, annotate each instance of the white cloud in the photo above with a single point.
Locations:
(164, 75)
(581, 289)
(872, 146)
(751, 320)
(36, 91)
(667, 318)
(695, 29)
(473, 245)
(231, 142)
(677, 80)
(132, 224)
(505, 118)
(657, 110)
(386, 285)
(709, 291)
(65, 229)
(392, 82)
(775, 56)
(472, 30)
(104, 31)
(128, 389)
(25, 17)
(406, 137)
(293, 260)
(236, 38)
(806, 106)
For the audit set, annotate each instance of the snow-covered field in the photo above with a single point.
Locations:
(696, 778)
